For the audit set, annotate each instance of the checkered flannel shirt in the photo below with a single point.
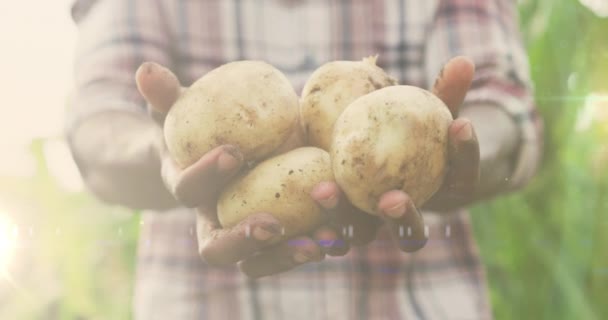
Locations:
(413, 38)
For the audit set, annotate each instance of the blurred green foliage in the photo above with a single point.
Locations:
(75, 258)
(546, 249)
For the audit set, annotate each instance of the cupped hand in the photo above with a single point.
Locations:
(462, 176)
(396, 208)
(344, 226)
(201, 182)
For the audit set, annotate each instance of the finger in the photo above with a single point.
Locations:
(201, 182)
(454, 81)
(404, 222)
(364, 228)
(463, 153)
(281, 258)
(227, 246)
(159, 86)
(330, 242)
(327, 194)
(355, 226)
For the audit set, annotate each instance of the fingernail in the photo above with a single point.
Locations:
(262, 234)
(227, 162)
(149, 68)
(397, 211)
(300, 257)
(330, 202)
(465, 133)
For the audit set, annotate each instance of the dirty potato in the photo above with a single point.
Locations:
(280, 186)
(248, 104)
(392, 138)
(330, 89)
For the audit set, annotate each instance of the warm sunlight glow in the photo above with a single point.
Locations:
(8, 241)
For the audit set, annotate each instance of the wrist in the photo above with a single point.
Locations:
(120, 158)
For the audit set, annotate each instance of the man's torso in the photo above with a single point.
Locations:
(443, 281)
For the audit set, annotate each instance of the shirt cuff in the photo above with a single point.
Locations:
(82, 108)
(519, 105)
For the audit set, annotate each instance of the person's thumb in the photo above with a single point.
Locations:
(159, 86)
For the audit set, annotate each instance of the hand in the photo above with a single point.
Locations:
(397, 209)
(250, 241)
(200, 182)
(462, 176)
(344, 227)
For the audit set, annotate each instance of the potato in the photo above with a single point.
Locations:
(330, 89)
(294, 141)
(248, 104)
(392, 138)
(280, 186)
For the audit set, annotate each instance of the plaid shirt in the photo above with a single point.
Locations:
(414, 38)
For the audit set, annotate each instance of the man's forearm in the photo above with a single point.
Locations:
(117, 153)
(498, 141)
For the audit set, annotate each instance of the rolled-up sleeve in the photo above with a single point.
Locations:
(487, 32)
(114, 38)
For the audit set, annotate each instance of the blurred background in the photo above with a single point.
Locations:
(63, 255)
